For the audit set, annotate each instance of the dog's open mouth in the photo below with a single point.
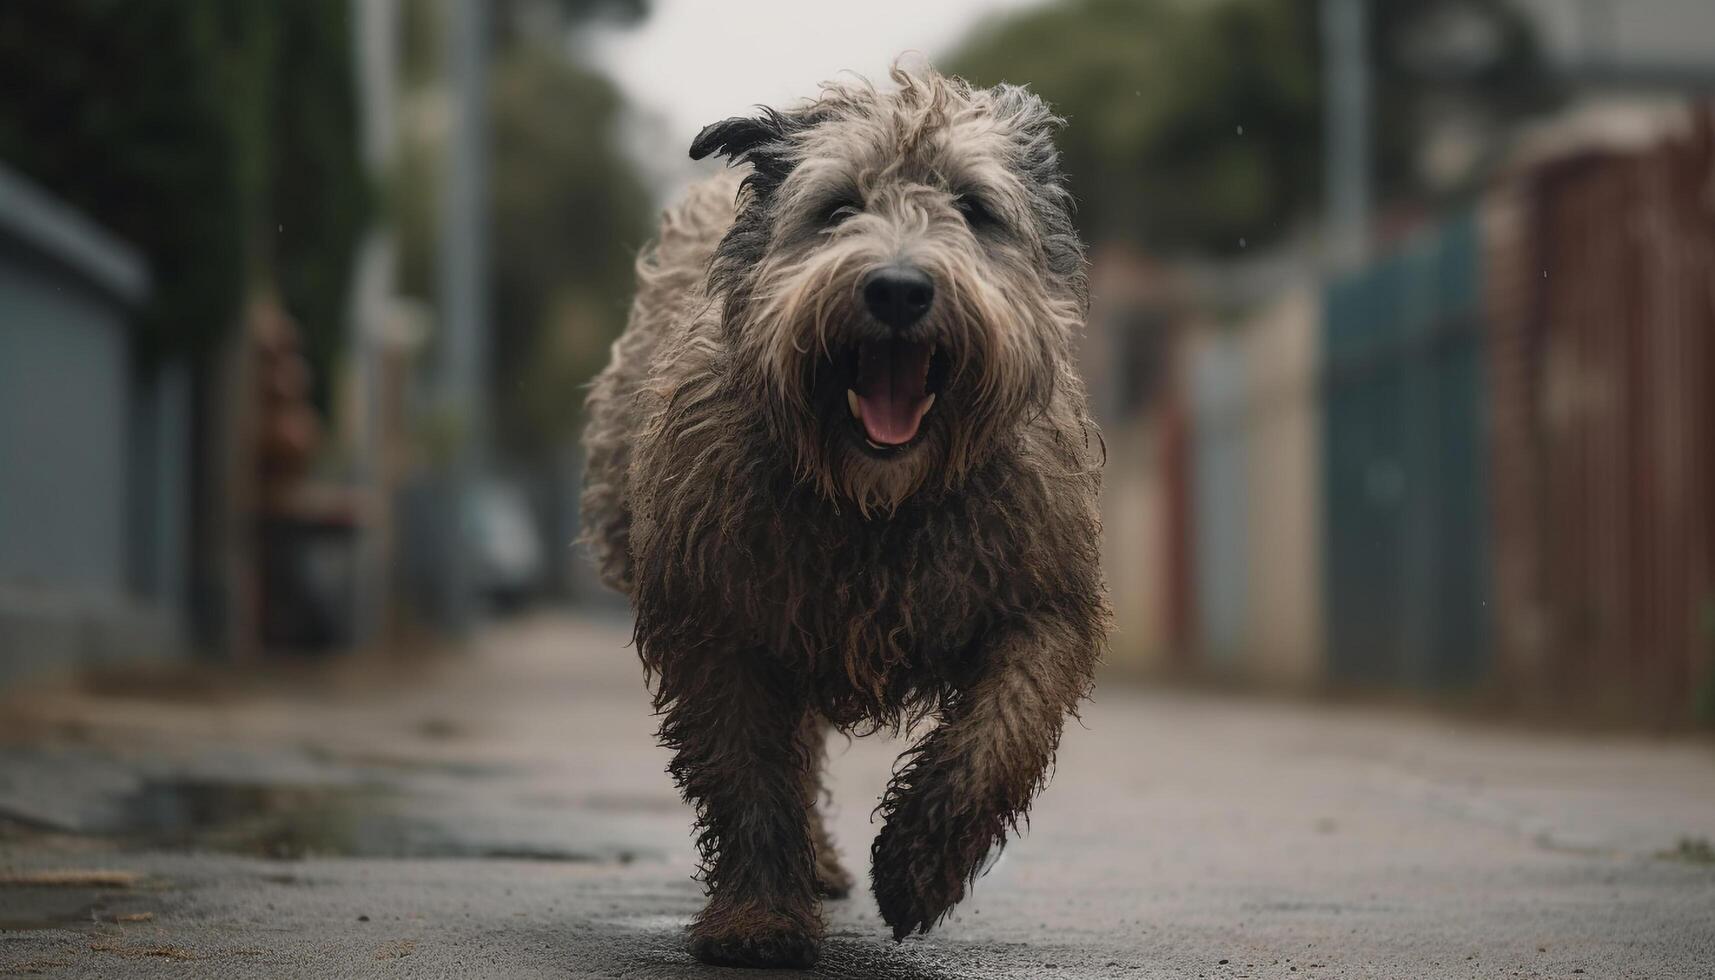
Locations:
(892, 389)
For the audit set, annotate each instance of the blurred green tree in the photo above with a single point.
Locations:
(569, 215)
(319, 194)
(567, 212)
(1197, 125)
(217, 136)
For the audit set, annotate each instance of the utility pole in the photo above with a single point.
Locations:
(1346, 149)
(376, 30)
(463, 328)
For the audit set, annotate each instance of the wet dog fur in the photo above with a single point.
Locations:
(789, 574)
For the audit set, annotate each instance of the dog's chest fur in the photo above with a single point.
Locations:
(876, 614)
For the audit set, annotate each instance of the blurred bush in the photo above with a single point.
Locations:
(567, 211)
(217, 136)
(1196, 125)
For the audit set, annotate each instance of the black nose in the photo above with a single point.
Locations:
(898, 295)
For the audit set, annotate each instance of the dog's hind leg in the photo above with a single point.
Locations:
(832, 880)
(735, 724)
(960, 790)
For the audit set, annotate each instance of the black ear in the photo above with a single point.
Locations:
(732, 138)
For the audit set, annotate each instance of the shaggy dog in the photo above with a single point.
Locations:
(843, 467)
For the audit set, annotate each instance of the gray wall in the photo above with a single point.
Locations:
(160, 485)
(93, 498)
(1639, 34)
(64, 386)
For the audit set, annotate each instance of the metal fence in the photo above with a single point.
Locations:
(1602, 299)
(1513, 418)
(1404, 467)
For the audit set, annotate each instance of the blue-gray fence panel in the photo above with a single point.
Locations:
(1405, 467)
(1220, 515)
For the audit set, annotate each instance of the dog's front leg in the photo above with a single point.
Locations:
(958, 791)
(734, 723)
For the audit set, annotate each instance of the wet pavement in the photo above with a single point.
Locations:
(504, 813)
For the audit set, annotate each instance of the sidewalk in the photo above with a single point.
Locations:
(505, 814)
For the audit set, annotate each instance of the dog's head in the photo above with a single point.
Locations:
(903, 282)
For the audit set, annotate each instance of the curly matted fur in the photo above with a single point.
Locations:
(789, 573)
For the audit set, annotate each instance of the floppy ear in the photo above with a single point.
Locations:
(732, 138)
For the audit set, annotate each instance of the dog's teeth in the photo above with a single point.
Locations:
(852, 403)
(929, 402)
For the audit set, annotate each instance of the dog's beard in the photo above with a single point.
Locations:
(874, 419)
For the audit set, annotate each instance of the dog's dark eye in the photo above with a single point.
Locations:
(976, 213)
(838, 212)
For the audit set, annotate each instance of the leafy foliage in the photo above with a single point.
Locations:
(567, 214)
(122, 110)
(197, 130)
(319, 198)
(1195, 125)
(568, 217)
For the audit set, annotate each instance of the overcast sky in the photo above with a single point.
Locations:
(697, 61)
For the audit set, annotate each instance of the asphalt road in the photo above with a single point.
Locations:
(504, 813)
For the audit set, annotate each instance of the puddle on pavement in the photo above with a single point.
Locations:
(290, 822)
(259, 820)
(26, 908)
(395, 762)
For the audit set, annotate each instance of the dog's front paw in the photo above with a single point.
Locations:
(754, 937)
(916, 882)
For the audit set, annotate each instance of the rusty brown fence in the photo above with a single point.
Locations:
(1600, 295)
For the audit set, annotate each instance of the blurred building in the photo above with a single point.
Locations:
(1481, 462)
(1647, 44)
(93, 448)
(1139, 311)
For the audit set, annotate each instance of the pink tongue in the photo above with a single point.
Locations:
(891, 391)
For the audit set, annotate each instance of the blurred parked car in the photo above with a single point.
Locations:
(506, 544)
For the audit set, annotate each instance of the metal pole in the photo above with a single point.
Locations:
(377, 44)
(1346, 153)
(463, 275)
